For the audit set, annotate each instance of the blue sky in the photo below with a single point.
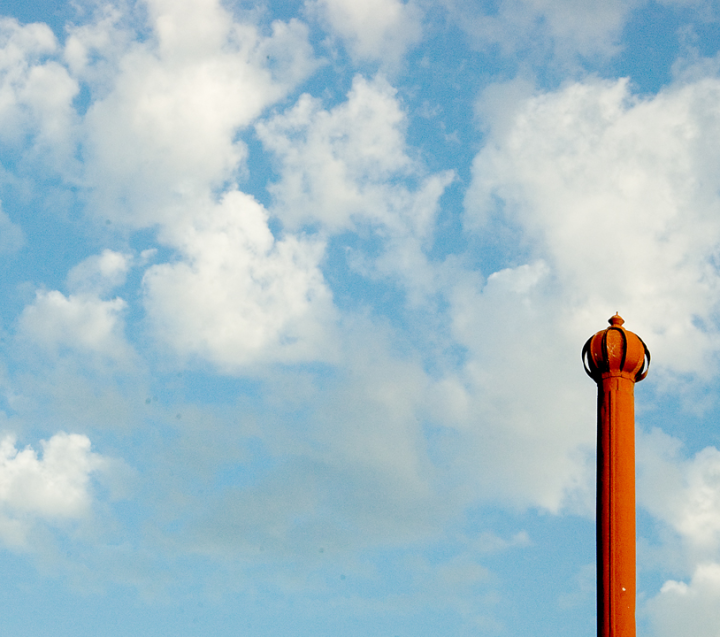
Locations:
(294, 295)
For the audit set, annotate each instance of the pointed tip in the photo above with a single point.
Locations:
(616, 320)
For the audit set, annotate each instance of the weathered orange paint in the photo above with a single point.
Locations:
(616, 359)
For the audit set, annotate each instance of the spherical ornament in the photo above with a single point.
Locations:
(616, 351)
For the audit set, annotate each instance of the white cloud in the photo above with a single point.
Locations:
(688, 609)
(160, 144)
(81, 322)
(587, 27)
(92, 50)
(338, 165)
(619, 195)
(168, 111)
(349, 168)
(36, 94)
(616, 200)
(380, 30)
(99, 274)
(531, 432)
(53, 486)
(240, 296)
(18, 41)
(21, 46)
(699, 519)
(683, 493)
(564, 27)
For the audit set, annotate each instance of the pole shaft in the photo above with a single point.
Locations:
(616, 507)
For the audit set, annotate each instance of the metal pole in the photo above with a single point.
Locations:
(616, 359)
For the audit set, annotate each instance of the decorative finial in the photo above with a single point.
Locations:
(616, 351)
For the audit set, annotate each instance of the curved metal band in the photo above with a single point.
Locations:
(586, 358)
(646, 363)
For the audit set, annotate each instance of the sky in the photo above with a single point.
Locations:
(293, 300)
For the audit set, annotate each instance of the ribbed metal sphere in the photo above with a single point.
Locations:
(616, 351)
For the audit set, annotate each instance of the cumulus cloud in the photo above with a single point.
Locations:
(168, 111)
(99, 274)
(55, 485)
(615, 197)
(240, 296)
(378, 30)
(36, 95)
(348, 168)
(694, 608)
(699, 517)
(21, 52)
(93, 50)
(80, 322)
(683, 493)
(336, 165)
(619, 195)
(534, 452)
(161, 148)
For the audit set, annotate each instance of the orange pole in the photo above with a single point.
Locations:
(616, 359)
